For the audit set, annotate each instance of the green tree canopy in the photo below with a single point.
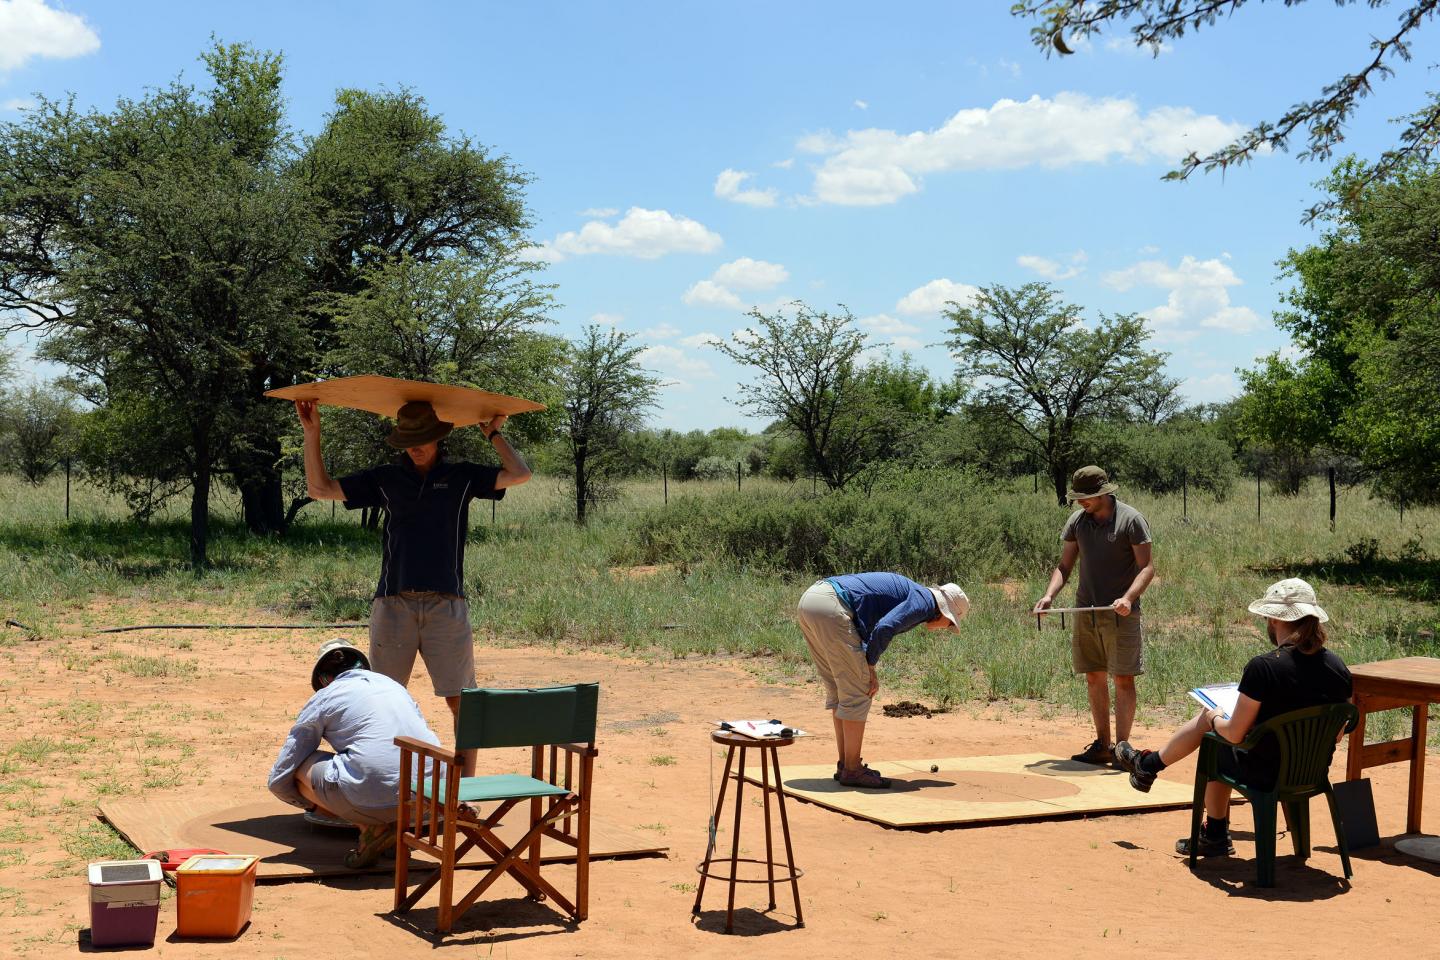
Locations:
(1040, 369)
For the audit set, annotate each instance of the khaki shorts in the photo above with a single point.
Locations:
(836, 651)
(332, 798)
(437, 626)
(1106, 641)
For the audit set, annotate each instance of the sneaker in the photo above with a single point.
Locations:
(864, 777)
(840, 768)
(1097, 753)
(1128, 759)
(1207, 847)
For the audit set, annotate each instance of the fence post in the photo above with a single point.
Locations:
(1184, 496)
(67, 488)
(1035, 475)
(1257, 493)
(1331, 472)
(492, 510)
(815, 492)
(332, 511)
(737, 476)
(665, 480)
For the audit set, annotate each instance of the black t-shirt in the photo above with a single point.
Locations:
(426, 520)
(1284, 680)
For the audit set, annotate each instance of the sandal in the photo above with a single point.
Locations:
(840, 768)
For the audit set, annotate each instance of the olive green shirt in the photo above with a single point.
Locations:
(1107, 555)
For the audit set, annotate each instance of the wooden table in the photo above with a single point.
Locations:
(1412, 682)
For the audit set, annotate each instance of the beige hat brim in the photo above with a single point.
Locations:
(1288, 611)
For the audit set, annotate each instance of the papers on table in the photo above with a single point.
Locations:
(1218, 696)
(760, 729)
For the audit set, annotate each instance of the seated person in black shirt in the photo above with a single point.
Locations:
(1298, 673)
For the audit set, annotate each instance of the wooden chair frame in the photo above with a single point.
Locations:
(429, 826)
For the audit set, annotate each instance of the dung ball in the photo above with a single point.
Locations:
(934, 768)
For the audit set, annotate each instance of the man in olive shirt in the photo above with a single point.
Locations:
(1112, 542)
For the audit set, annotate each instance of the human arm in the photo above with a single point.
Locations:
(304, 739)
(1237, 726)
(1068, 553)
(916, 607)
(1144, 559)
(318, 483)
(513, 468)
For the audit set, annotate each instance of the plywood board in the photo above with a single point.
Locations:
(462, 406)
(979, 789)
(290, 847)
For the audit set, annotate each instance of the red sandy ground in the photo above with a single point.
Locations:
(1103, 886)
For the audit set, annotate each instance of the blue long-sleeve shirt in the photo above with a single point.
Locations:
(359, 714)
(884, 604)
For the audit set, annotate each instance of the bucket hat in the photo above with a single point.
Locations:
(416, 425)
(952, 603)
(1288, 600)
(1089, 482)
(329, 647)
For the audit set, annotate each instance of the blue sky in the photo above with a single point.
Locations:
(690, 160)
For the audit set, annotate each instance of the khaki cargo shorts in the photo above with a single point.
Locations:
(435, 625)
(1105, 641)
(836, 651)
(333, 799)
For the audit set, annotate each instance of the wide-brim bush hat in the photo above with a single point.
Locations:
(1289, 599)
(329, 647)
(1089, 482)
(416, 425)
(952, 602)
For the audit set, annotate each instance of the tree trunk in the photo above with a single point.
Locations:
(295, 507)
(200, 509)
(582, 494)
(1060, 477)
(263, 502)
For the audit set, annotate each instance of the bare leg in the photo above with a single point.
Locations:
(1124, 706)
(467, 757)
(1217, 800)
(839, 738)
(1185, 741)
(1098, 690)
(854, 733)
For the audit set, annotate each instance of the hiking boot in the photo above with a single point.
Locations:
(840, 768)
(1128, 759)
(1207, 847)
(1097, 753)
(864, 777)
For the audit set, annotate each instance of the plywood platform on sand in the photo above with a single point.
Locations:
(964, 790)
(291, 847)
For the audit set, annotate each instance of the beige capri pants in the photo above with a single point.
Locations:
(837, 652)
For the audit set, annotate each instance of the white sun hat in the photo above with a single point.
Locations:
(952, 603)
(1289, 599)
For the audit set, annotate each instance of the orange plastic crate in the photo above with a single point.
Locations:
(214, 894)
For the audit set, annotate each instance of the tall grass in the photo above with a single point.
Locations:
(714, 571)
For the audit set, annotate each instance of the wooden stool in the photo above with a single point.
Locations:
(769, 750)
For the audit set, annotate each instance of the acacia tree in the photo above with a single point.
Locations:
(606, 395)
(38, 421)
(1319, 121)
(1039, 369)
(810, 378)
(160, 248)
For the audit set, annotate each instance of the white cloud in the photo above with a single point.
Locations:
(1128, 45)
(861, 105)
(700, 340)
(647, 234)
(607, 319)
(662, 332)
(541, 252)
(742, 274)
(17, 103)
(885, 325)
(1217, 386)
(599, 213)
(728, 184)
(874, 166)
(708, 293)
(785, 164)
(1053, 269)
(30, 29)
(748, 274)
(906, 343)
(932, 298)
(1198, 300)
(672, 361)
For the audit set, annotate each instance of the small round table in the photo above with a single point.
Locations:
(769, 750)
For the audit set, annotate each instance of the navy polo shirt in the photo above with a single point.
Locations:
(426, 520)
